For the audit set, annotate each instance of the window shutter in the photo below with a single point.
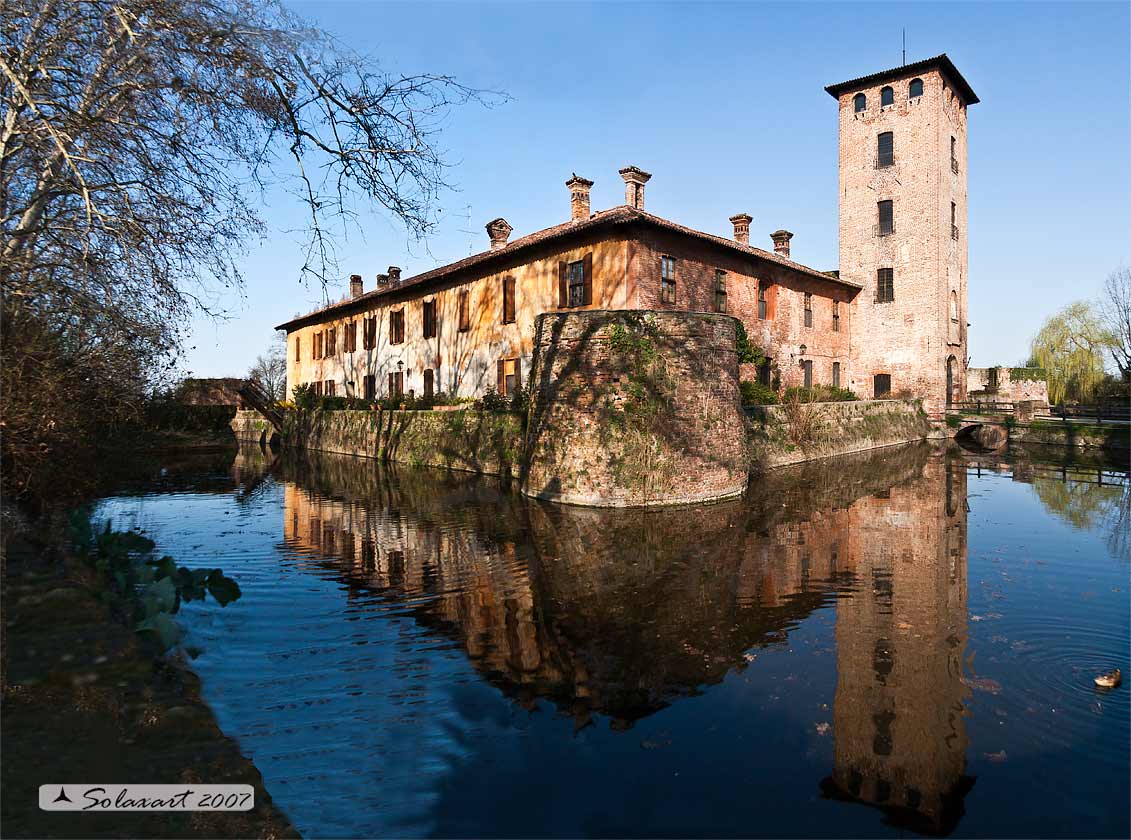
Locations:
(390, 392)
(563, 285)
(518, 373)
(500, 373)
(588, 288)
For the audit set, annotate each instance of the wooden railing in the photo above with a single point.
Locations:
(981, 407)
(257, 398)
(1088, 413)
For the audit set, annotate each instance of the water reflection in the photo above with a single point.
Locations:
(620, 613)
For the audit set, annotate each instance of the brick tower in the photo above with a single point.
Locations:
(903, 228)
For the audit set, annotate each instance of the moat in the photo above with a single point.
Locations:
(899, 641)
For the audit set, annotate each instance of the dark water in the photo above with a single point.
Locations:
(890, 643)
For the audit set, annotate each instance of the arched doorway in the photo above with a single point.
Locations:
(951, 384)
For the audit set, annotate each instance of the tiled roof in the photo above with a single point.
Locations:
(614, 216)
(940, 62)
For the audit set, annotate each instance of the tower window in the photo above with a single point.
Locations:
(667, 279)
(885, 150)
(807, 367)
(836, 316)
(887, 97)
(720, 290)
(808, 310)
(885, 285)
(859, 103)
(915, 88)
(953, 221)
(954, 155)
(885, 222)
(836, 374)
(761, 301)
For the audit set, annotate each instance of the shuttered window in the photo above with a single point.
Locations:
(429, 383)
(464, 311)
(298, 348)
(881, 385)
(808, 309)
(429, 319)
(331, 347)
(885, 149)
(720, 290)
(807, 367)
(396, 327)
(575, 283)
(508, 377)
(762, 307)
(667, 279)
(329, 387)
(885, 285)
(508, 300)
(396, 384)
(369, 334)
(885, 218)
(369, 384)
(351, 337)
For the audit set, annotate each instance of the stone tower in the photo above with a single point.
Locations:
(903, 228)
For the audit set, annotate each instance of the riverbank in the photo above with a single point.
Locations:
(84, 700)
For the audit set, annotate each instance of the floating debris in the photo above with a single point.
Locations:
(1109, 680)
(822, 728)
(983, 684)
(996, 758)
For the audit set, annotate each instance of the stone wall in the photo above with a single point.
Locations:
(1009, 388)
(789, 434)
(250, 425)
(635, 408)
(473, 441)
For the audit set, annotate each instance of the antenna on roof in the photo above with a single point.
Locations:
(904, 46)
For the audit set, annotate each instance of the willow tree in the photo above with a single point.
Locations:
(136, 139)
(1071, 347)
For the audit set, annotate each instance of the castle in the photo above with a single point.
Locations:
(891, 321)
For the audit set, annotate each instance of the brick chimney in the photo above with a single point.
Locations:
(394, 274)
(781, 242)
(579, 197)
(356, 286)
(498, 230)
(382, 279)
(634, 180)
(741, 224)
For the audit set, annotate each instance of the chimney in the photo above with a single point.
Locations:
(578, 197)
(382, 279)
(781, 242)
(394, 274)
(498, 230)
(356, 287)
(634, 180)
(741, 224)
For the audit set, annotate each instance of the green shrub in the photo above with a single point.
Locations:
(755, 393)
(819, 393)
(953, 420)
(492, 401)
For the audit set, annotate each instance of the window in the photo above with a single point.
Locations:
(807, 367)
(762, 310)
(429, 319)
(369, 385)
(316, 346)
(885, 285)
(464, 311)
(764, 372)
(720, 290)
(836, 316)
(298, 348)
(369, 334)
(396, 384)
(329, 388)
(808, 309)
(954, 155)
(885, 150)
(667, 280)
(396, 327)
(509, 377)
(881, 386)
(508, 300)
(318, 387)
(331, 341)
(953, 305)
(577, 283)
(429, 383)
(885, 213)
(859, 103)
(351, 337)
(915, 89)
(953, 220)
(887, 97)
(836, 374)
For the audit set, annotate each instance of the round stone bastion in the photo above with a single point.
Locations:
(631, 408)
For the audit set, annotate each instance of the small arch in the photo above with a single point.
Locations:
(915, 88)
(859, 103)
(887, 96)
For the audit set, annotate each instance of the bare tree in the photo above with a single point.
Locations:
(135, 141)
(270, 369)
(1115, 309)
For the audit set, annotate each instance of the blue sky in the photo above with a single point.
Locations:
(724, 104)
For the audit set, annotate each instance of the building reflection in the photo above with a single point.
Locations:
(620, 613)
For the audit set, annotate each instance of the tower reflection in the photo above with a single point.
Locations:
(621, 613)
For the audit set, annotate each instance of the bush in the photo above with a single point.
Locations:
(492, 401)
(819, 393)
(755, 393)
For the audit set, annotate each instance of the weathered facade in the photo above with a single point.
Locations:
(467, 328)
